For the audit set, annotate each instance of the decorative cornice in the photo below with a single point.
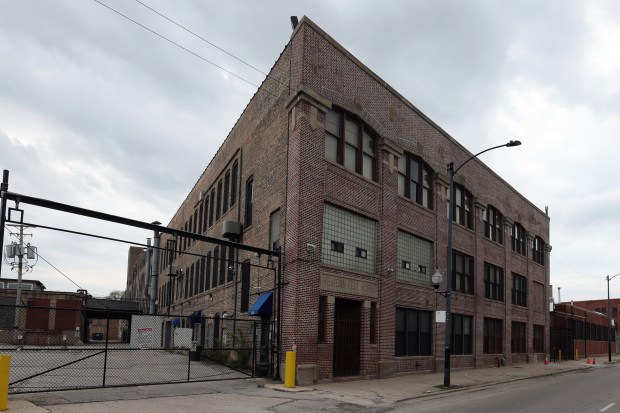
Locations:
(306, 94)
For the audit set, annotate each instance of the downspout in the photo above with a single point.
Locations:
(154, 269)
(147, 272)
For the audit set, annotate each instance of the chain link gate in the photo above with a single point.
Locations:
(53, 348)
(140, 350)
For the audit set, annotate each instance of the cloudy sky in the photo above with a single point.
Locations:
(99, 112)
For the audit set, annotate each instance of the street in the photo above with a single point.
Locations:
(593, 390)
(585, 390)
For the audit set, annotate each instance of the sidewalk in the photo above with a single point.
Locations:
(255, 395)
(405, 387)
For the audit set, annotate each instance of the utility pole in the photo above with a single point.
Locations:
(4, 186)
(20, 263)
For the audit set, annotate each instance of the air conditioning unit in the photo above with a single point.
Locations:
(231, 229)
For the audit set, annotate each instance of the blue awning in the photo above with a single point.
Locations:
(262, 306)
(195, 317)
(176, 321)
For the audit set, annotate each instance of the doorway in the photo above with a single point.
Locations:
(347, 336)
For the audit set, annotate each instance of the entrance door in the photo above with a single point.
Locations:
(347, 327)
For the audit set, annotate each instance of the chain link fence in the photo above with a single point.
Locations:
(55, 348)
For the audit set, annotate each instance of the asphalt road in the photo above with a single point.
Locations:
(589, 390)
(593, 390)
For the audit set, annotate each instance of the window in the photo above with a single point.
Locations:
(539, 338)
(322, 319)
(202, 270)
(194, 225)
(350, 143)
(195, 278)
(212, 208)
(205, 219)
(518, 239)
(226, 191)
(274, 230)
(218, 204)
(462, 206)
(413, 332)
(463, 273)
(461, 334)
(361, 253)
(215, 272)
(199, 225)
(249, 200)
(185, 239)
(538, 251)
(517, 341)
(245, 286)
(414, 180)
(337, 247)
(186, 292)
(492, 342)
(372, 329)
(207, 270)
(233, 184)
(415, 255)
(230, 270)
(493, 282)
(493, 221)
(223, 266)
(344, 233)
(519, 290)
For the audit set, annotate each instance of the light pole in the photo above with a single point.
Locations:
(609, 317)
(448, 293)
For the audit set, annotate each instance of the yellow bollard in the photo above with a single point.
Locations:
(559, 355)
(576, 354)
(289, 373)
(5, 367)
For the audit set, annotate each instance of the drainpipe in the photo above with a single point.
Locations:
(147, 272)
(154, 269)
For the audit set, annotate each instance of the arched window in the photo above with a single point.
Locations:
(350, 142)
(518, 235)
(462, 206)
(414, 180)
(249, 201)
(493, 222)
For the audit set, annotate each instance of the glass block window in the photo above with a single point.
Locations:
(416, 256)
(345, 235)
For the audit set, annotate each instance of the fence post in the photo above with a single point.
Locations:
(254, 349)
(105, 354)
(5, 367)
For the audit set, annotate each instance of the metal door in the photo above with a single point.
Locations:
(347, 338)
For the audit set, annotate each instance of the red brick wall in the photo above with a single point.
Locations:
(283, 148)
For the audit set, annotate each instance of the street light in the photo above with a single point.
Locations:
(609, 317)
(448, 293)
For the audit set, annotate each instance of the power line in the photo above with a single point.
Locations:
(180, 46)
(209, 42)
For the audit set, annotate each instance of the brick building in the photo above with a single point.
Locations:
(347, 177)
(601, 307)
(579, 332)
